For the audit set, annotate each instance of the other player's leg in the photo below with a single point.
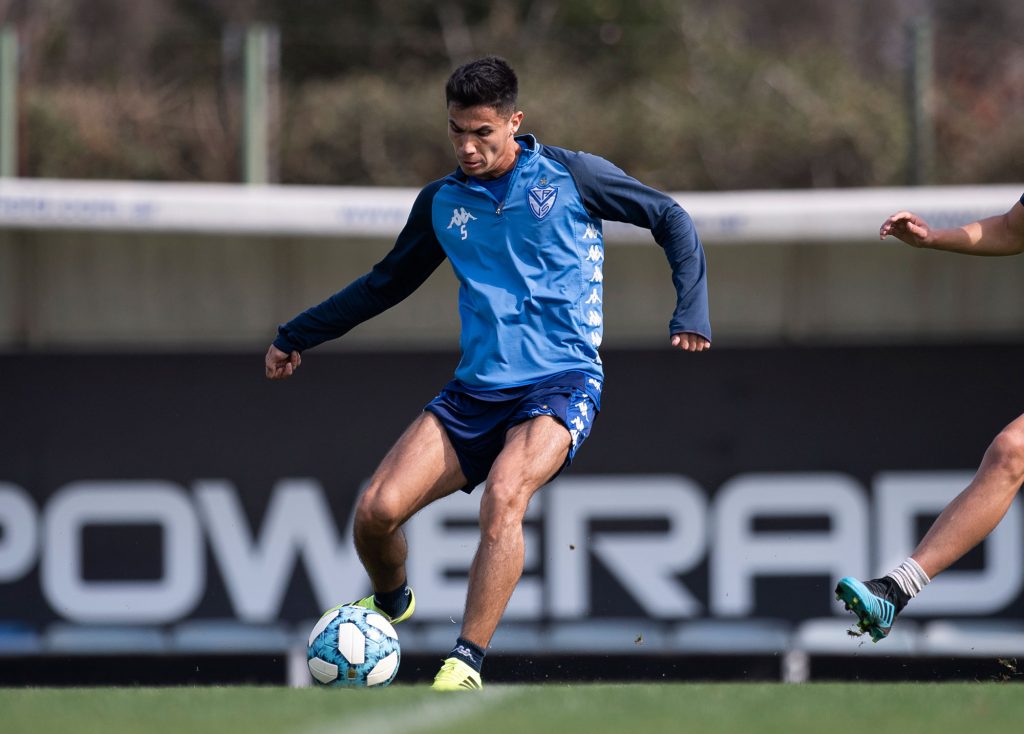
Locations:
(419, 469)
(975, 512)
(963, 524)
(534, 452)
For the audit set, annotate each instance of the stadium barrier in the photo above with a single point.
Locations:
(141, 266)
(811, 216)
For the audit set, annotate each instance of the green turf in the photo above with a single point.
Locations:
(902, 708)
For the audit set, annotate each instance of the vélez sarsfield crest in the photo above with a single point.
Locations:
(541, 198)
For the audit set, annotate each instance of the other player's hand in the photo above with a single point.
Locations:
(906, 227)
(688, 342)
(280, 365)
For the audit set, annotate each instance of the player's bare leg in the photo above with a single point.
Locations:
(420, 468)
(968, 519)
(534, 451)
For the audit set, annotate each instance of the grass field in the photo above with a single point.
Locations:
(566, 709)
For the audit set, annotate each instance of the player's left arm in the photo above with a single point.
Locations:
(280, 365)
(689, 342)
(611, 194)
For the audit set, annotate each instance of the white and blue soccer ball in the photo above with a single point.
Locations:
(353, 647)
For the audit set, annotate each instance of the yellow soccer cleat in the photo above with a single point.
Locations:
(369, 603)
(455, 675)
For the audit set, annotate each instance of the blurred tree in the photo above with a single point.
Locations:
(687, 94)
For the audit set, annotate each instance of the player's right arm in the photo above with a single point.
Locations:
(999, 235)
(416, 255)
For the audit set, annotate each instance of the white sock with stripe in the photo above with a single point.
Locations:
(910, 577)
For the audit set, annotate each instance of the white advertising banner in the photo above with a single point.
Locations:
(812, 216)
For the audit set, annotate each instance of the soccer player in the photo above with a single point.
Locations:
(972, 515)
(521, 224)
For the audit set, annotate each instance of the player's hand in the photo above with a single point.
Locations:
(280, 365)
(688, 342)
(906, 227)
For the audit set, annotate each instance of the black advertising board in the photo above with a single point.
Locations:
(158, 488)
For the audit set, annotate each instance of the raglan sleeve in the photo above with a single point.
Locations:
(611, 194)
(416, 254)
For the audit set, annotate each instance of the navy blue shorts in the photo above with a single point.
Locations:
(476, 421)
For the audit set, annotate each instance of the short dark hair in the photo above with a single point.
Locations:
(489, 82)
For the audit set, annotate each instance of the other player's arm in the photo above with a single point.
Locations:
(416, 255)
(999, 235)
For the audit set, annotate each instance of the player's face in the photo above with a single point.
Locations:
(483, 139)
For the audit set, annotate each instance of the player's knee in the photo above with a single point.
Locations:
(1007, 452)
(503, 504)
(377, 513)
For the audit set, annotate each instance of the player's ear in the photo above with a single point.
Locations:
(517, 120)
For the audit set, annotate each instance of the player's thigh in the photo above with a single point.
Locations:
(421, 467)
(535, 450)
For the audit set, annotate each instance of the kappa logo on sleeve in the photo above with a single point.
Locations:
(541, 198)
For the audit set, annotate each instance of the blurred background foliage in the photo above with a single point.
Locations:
(686, 95)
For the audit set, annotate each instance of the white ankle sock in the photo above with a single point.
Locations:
(910, 577)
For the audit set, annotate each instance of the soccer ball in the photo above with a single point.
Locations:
(353, 647)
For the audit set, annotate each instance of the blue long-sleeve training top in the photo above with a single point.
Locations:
(530, 266)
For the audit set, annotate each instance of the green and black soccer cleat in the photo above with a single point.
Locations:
(455, 675)
(370, 603)
(876, 603)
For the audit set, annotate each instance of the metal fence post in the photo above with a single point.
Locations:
(8, 102)
(920, 163)
(259, 103)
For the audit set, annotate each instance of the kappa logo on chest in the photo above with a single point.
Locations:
(461, 218)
